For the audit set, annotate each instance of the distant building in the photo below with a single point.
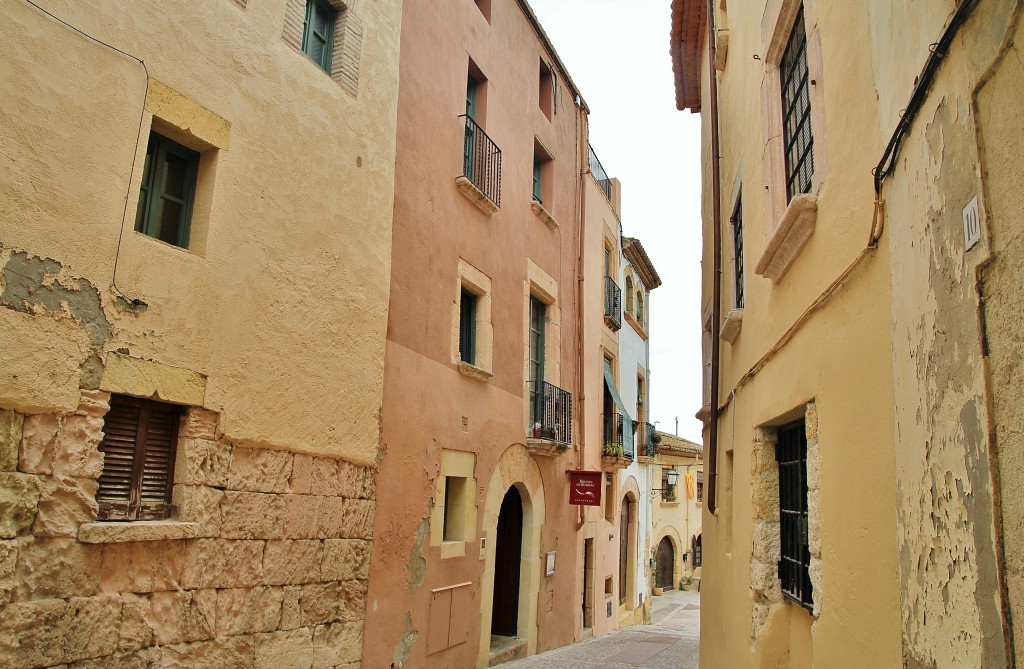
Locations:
(676, 470)
(195, 244)
(862, 257)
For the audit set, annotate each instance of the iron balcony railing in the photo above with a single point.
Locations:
(612, 303)
(615, 441)
(481, 162)
(551, 412)
(645, 440)
(597, 169)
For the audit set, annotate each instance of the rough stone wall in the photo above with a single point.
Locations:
(765, 586)
(275, 574)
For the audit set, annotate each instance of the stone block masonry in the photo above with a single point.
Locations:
(263, 564)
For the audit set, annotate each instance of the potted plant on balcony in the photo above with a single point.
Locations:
(656, 439)
(612, 450)
(537, 430)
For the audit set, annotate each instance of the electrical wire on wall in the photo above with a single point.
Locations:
(138, 138)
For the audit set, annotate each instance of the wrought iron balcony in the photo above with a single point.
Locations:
(481, 162)
(645, 446)
(550, 412)
(612, 304)
(613, 435)
(603, 182)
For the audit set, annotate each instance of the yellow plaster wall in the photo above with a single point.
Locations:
(281, 301)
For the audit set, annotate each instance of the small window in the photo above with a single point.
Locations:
(168, 191)
(467, 326)
(798, 142)
(139, 443)
(795, 564)
(485, 8)
(640, 307)
(629, 294)
(541, 174)
(669, 481)
(547, 89)
(700, 487)
(737, 246)
(454, 508)
(318, 32)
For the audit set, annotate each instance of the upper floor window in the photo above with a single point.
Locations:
(640, 307)
(467, 326)
(629, 294)
(168, 190)
(318, 32)
(737, 245)
(796, 111)
(547, 89)
(538, 318)
(139, 443)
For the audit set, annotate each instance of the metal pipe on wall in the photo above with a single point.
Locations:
(716, 293)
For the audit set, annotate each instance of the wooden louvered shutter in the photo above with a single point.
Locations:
(158, 461)
(138, 459)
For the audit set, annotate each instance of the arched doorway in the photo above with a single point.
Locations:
(507, 556)
(623, 549)
(666, 563)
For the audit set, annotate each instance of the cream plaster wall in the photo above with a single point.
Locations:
(281, 300)
(839, 358)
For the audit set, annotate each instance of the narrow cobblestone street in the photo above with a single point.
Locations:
(671, 641)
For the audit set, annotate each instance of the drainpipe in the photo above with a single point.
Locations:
(716, 293)
(581, 412)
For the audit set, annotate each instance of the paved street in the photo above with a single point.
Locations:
(672, 641)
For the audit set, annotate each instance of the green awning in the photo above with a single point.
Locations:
(627, 421)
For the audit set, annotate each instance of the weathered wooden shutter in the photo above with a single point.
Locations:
(120, 434)
(138, 459)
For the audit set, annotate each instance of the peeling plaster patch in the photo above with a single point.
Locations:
(33, 285)
(417, 565)
(404, 645)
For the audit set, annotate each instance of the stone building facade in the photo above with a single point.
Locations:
(868, 229)
(195, 230)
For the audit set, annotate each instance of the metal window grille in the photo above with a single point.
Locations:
(467, 326)
(481, 162)
(612, 304)
(737, 245)
(794, 566)
(551, 412)
(796, 111)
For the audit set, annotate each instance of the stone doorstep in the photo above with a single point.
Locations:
(505, 649)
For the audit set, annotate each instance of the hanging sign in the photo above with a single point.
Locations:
(584, 487)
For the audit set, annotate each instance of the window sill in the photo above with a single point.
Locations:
(636, 326)
(144, 530)
(731, 327)
(475, 195)
(543, 215)
(450, 549)
(670, 502)
(789, 237)
(548, 447)
(474, 372)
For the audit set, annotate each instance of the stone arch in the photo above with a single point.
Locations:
(630, 490)
(516, 469)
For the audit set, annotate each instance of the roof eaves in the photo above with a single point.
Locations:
(638, 258)
(689, 23)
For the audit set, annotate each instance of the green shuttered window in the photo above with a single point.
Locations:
(139, 440)
(168, 189)
(467, 326)
(318, 32)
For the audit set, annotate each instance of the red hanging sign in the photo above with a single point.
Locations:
(584, 487)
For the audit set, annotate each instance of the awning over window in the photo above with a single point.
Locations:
(627, 421)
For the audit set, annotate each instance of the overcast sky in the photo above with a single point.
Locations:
(617, 53)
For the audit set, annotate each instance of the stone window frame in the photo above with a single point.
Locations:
(461, 510)
(475, 281)
(347, 40)
(792, 220)
(765, 586)
(185, 122)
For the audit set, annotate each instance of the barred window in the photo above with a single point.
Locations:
(139, 442)
(794, 567)
(796, 111)
(737, 245)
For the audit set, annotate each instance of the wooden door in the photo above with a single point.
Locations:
(666, 563)
(507, 558)
(623, 548)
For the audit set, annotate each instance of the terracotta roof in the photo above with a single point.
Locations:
(689, 26)
(637, 257)
(671, 444)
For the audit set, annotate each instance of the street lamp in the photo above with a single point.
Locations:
(671, 478)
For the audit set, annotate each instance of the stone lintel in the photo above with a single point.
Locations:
(157, 530)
